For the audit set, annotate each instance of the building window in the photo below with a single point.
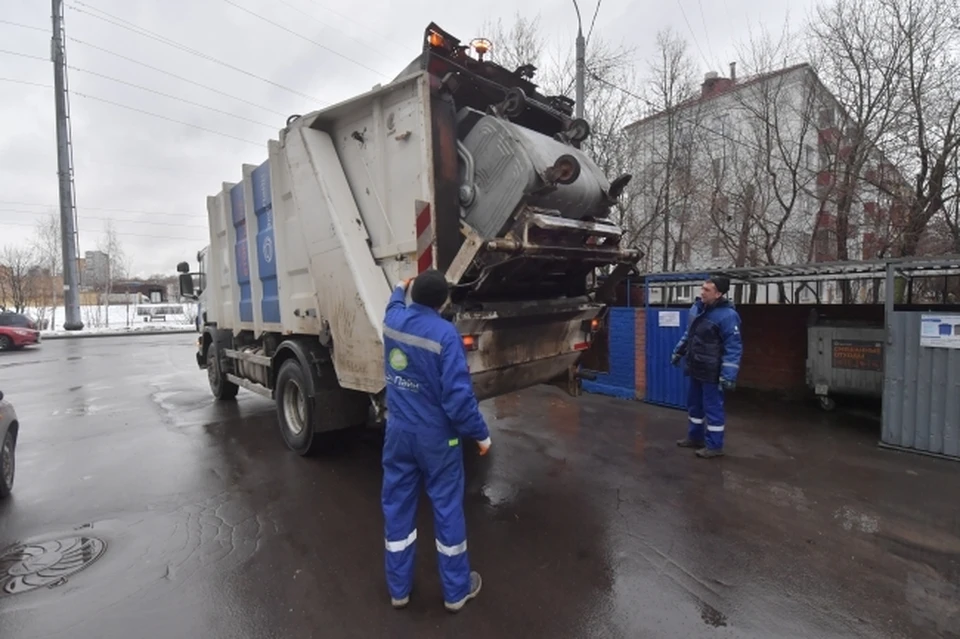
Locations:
(718, 169)
(811, 158)
(827, 119)
(715, 247)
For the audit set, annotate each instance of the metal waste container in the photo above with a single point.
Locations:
(844, 358)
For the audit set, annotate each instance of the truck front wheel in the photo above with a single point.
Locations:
(295, 410)
(222, 388)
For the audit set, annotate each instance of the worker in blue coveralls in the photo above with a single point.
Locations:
(431, 407)
(712, 349)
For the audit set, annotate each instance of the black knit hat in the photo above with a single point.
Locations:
(430, 288)
(722, 283)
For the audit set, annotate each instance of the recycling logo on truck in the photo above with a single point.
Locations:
(267, 250)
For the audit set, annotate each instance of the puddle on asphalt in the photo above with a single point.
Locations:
(498, 494)
(851, 519)
(711, 616)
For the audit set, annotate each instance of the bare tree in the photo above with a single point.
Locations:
(46, 246)
(951, 212)
(930, 87)
(116, 267)
(859, 58)
(781, 107)
(18, 273)
(662, 145)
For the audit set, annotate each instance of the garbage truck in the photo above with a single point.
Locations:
(458, 164)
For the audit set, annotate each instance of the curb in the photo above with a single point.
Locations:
(81, 335)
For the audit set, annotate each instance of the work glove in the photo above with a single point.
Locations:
(675, 359)
(484, 446)
(405, 284)
(728, 384)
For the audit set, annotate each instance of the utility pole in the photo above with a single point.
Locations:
(68, 216)
(581, 62)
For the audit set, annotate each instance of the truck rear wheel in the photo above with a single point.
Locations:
(295, 409)
(222, 388)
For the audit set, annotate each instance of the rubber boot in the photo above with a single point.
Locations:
(690, 443)
(710, 453)
(475, 583)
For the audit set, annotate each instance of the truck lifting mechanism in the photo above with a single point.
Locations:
(457, 164)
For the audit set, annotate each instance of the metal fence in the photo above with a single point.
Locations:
(921, 394)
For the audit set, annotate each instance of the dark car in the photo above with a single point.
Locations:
(16, 331)
(9, 429)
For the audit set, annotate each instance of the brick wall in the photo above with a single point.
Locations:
(775, 341)
(640, 354)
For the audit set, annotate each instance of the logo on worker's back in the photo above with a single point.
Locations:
(398, 359)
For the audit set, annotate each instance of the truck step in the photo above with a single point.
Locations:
(248, 357)
(259, 389)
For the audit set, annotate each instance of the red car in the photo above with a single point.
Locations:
(17, 331)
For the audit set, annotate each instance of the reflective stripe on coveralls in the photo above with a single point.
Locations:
(403, 544)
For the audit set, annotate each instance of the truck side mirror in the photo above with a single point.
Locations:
(186, 285)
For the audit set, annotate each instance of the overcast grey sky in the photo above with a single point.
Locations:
(151, 176)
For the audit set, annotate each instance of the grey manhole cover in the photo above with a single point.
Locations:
(47, 563)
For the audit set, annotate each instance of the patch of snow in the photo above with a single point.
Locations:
(114, 319)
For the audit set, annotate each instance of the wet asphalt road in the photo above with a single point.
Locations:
(585, 520)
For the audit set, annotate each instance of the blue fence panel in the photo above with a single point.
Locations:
(666, 384)
(266, 244)
(621, 381)
(240, 251)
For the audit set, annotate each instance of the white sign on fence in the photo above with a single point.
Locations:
(940, 331)
(669, 318)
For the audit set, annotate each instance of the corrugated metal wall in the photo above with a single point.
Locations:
(921, 395)
(621, 380)
(666, 384)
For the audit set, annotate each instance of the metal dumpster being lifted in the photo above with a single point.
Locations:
(844, 358)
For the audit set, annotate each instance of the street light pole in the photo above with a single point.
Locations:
(68, 227)
(581, 62)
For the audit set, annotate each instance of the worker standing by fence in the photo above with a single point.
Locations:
(711, 348)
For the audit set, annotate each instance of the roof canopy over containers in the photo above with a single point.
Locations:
(887, 328)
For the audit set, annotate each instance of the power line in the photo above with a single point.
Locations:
(143, 88)
(699, 125)
(305, 38)
(130, 108)
(32, 84)
(129, 26)
(24, 55)
(330, 26)
(92, 232)
(706, 32)
(24, 26)
(97, 208)
(356, 22)
(172, 97)
(117, 220)
(594, 20)
(174, 75)
(692, 34)
(163, 117)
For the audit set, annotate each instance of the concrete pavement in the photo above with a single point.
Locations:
(585, 520)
